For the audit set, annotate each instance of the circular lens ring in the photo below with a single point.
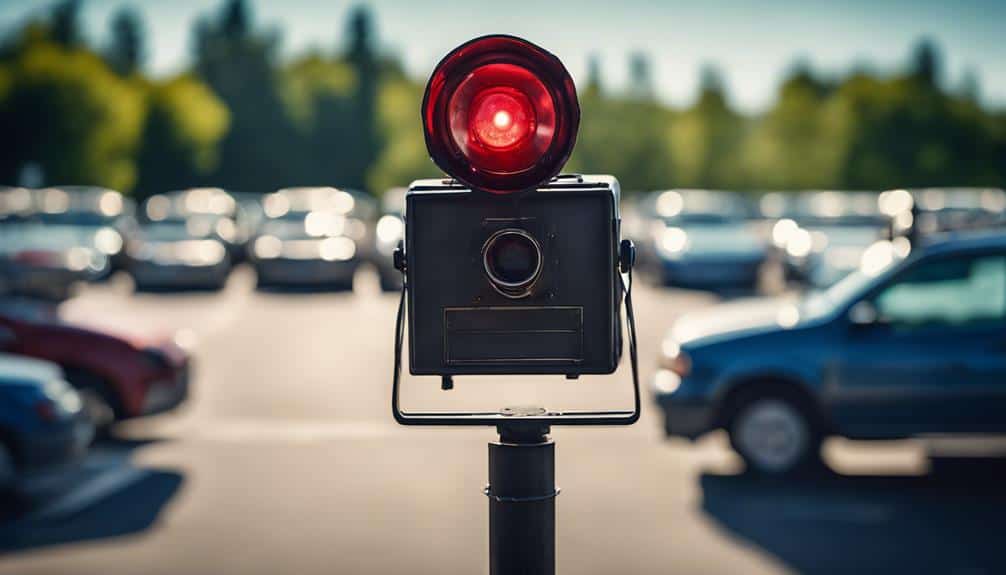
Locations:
(455, 68)
(511, 289)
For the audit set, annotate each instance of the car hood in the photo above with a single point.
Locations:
(745, 316)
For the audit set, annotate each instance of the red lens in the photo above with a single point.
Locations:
(500, 114)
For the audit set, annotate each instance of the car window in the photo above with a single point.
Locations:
(948, 292)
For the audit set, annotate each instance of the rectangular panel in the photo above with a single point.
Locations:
(516, 334)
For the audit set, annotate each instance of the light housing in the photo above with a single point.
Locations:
(500, 114)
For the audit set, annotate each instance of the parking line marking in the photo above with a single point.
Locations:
(90, 492)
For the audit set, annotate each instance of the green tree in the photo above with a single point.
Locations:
(789, 147)
(125, 52)
(708, 139)
(261, 151)
(65, 24)
(64, 110)
(184, 125)
(362, 149)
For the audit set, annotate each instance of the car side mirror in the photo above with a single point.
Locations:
(863, 313)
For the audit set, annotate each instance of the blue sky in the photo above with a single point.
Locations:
(753, 43)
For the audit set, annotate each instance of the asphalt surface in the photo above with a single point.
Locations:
(286, 459)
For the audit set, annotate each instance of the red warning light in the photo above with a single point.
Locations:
(500, 114)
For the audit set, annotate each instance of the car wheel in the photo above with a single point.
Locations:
(774, 435)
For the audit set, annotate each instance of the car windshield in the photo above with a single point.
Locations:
(166, 232)
(75, 218)
(878, 259)
(39, 237)
(725, 237)
(848, 236)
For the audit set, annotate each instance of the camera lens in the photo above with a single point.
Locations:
(512, 260)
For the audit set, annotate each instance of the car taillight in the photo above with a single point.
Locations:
(500, 114)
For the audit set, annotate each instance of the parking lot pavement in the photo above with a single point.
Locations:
(286, 459)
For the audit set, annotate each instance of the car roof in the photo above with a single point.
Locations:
(965, 240)
(16, 367)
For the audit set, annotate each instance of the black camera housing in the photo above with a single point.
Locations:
(562, 319)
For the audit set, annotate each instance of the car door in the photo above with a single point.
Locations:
(934, 359)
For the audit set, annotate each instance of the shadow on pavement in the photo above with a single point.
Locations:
(947, 521)
(106, 496)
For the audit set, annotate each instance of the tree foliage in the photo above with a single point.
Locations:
(349, 116)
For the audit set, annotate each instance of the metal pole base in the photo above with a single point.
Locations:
(522, 495)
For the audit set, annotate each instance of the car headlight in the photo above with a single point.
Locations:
(389, 229)
(337, 249)
(108, 241)
(267, 247)
(675, 359)
(671, 242)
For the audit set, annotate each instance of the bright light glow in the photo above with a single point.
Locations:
(782, 230)
(894, 202)
(78, 258)
(55, 201)
(670, 348)
(275, 205)
(666, 381)
(108, 241)
(268, 247)
(319, 224)
(877, 258)
(902, 246)
(800, 243)
(226, 229)
(337, 249)
(827, 204)
(788, 316)
(673, 240)
(502, 119)
(390, 229)
(669, 204)
(343, 202)
(15, 200)
(208, 252)
(110, 204)
(158, 208)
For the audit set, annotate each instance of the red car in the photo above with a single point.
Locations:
(118, 377)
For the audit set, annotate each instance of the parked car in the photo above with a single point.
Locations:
(118, 376)
(230, 219)
(311, 237)
(46, 262)
(911, 343)
(99, 218)
(947, 209)
(821, 236)
(43, 426)
(702, 239)
(173, 254)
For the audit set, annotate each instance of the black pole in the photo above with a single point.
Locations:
(522, 495)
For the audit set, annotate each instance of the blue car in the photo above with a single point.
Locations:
(702, 239)
(42, 424)
(911, 343)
